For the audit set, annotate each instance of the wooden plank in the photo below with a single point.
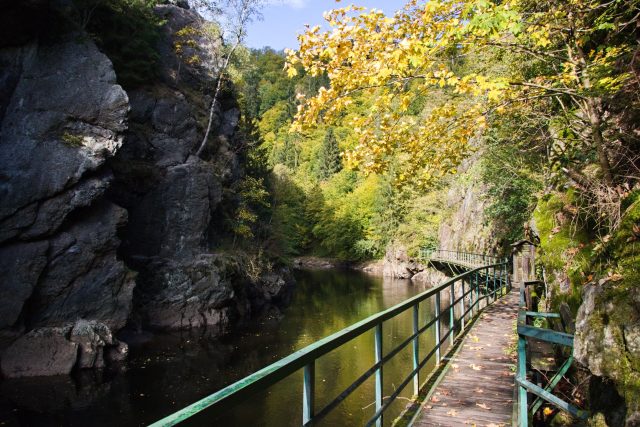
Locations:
(478, 387)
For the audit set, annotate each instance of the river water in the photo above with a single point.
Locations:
(167, 372)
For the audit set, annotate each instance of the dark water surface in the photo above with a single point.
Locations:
(167, 372)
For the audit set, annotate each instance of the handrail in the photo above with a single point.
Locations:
(524, 386)
(465, 258)
(488, 280)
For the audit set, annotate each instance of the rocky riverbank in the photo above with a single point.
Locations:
(107, 220)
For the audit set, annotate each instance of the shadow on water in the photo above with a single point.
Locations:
(168, 371)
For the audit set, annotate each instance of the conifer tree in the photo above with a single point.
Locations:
(329, 161)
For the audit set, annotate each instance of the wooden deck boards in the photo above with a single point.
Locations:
(478, 387)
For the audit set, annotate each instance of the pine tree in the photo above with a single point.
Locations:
(329, 162)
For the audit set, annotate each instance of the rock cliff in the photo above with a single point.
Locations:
(106, 217)
(464, 227)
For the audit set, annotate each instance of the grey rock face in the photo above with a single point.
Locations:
(64, 119)
(606, 343)
(184, 294)
(84, 278)
(171, 220)
(172, 196)
(398, 264)
(174, 68)
(20, 267)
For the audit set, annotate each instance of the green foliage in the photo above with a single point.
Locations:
(565, 247)
(71, 140)
(128, 32)
(329, 161)
(253, 197)
(512, 188)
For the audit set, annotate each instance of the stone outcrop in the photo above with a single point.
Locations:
(464, 228)
(430, 276)
(57, 350)
(610, 349)
(63, 118)
(399, 265)
(173, 196)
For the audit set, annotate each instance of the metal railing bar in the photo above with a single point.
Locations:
(553, 383)
(367, 374)
(548, 335)
(539, 391)
(398, 390)
(542, 314)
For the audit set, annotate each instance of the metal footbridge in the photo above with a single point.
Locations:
(455, 305)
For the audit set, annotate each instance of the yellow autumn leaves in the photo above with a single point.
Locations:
(394, 61)
(398, 61)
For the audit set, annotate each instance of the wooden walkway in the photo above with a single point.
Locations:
(478, 387)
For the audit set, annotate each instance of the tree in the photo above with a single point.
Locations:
(329, 161)
(583, 51)
(237, 15)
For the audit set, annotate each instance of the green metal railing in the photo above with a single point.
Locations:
(476, 285)
(524, 386)
(464, 258)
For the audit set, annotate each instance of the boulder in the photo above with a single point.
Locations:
(398, 264)
(273, 288)
(58, 350)
(41, 352)
(429, 276)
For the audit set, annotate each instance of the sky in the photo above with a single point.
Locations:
(284, 19)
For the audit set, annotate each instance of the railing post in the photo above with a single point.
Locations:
(486, 288)
(416, 350)
(308, 391)
(473, 283)
(462, 307)
(452, 313)
(378, 353)
(494, 284)
(523, 404)
(437, 314)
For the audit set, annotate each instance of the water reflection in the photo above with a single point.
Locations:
(169, 371)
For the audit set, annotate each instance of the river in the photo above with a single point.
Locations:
(166, 372)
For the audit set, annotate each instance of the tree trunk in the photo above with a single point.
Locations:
(598, 140)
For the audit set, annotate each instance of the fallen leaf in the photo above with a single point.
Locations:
(453, 413)
(434, 399)
(616, 277)
(483, 406)
(476, 367)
